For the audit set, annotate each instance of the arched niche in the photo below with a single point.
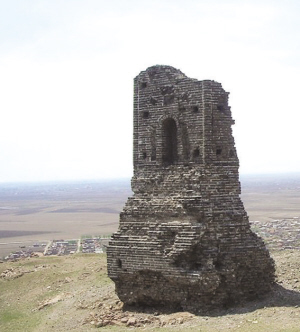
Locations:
(169, 141)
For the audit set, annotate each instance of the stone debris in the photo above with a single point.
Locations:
(14, 273)
(54, 300)
(48, 302)
(114, 315)
(184, 240)
(11, 274)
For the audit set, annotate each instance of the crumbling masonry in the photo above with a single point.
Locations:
(184, 240)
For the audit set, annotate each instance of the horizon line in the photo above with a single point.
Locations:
(128, 178)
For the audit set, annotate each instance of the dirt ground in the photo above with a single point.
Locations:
(73, 293)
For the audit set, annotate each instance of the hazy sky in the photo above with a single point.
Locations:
(67, 69)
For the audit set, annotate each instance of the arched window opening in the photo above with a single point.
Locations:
(169, 141)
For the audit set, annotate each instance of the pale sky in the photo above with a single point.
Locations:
(67, 69)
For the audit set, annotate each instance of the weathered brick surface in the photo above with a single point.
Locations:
(184, 239)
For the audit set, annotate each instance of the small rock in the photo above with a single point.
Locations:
(131, 321)
(180, 320)
(99, 324)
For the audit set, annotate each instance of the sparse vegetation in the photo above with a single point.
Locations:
(73, 293)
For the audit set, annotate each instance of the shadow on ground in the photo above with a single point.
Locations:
(278, 297)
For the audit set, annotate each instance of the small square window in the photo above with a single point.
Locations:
(218, 151)
(196, 153)
(169, 99)
(221, 108)
(195, 109)
(153, 101)
(145, 114)
(143, 85)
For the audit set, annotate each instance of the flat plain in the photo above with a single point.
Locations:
(270, 197)
(65, 210)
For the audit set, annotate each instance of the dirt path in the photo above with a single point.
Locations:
(47, 247)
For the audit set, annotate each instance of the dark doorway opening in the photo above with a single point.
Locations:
(169, 141)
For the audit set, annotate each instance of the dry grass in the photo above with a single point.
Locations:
(71, 293)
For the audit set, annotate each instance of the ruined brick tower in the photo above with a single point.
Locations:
(184, 239)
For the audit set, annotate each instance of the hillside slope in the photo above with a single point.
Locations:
(73, 293)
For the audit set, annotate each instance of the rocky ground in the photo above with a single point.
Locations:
(73, 293)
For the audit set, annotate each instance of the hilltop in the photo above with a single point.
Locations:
(73, 293)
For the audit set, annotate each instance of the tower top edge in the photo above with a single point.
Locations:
(170, 72)
(160, 69)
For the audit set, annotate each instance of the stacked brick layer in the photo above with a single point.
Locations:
(184, 239)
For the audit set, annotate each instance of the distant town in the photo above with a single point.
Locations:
(61, 247)
(278, 234)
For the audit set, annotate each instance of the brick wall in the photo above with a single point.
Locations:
(184, 240)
